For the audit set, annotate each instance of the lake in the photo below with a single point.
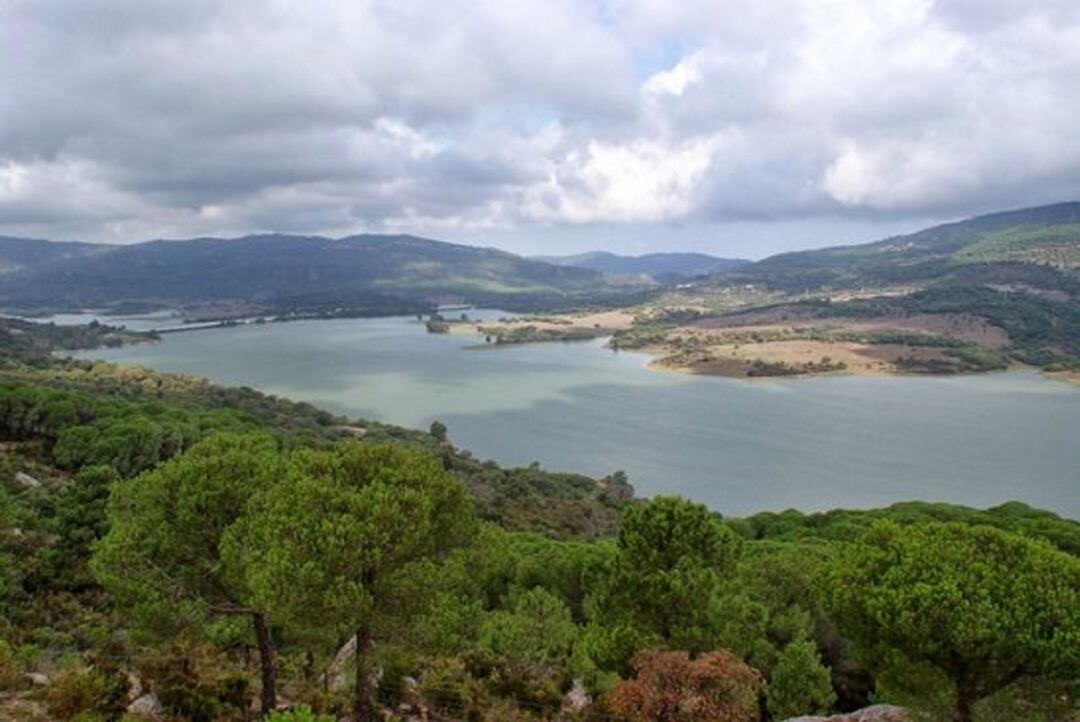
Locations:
(738, 446)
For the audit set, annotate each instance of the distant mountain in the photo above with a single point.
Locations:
(1037, 246)
(369, 272)
(659, 266)
(20, 253)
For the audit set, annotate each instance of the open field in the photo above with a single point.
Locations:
(800, 358)
(536, 329)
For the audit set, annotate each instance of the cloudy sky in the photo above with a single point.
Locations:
(736, 127)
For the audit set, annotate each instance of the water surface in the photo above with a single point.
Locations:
(738, 446)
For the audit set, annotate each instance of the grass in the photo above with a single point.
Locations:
(1057, 245)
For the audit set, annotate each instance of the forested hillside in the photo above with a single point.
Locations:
(985, 294)
(370, 275)
(170, 549)
(1037, 246)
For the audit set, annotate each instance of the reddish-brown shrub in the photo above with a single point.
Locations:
(672, 687)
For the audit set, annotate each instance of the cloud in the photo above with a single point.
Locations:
(123, 119)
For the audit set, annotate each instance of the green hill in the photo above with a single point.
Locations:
(368, 273)
(1034, 246)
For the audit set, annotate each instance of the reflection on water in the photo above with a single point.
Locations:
(738, 446)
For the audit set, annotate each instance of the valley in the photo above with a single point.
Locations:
(548, 480)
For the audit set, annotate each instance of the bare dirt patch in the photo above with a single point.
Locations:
(802, 357)
(1070, 377)
(19, 707)
(604, 320)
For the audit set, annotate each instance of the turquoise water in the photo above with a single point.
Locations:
(738, 446)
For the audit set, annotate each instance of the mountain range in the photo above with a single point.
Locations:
(657, 266)
(372, 273)
(1032, 248)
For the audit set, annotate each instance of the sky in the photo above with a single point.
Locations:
(540, 126)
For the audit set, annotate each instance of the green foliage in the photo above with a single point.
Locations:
(1041, 330)
(849, 525)
(984, 607)
(1055, 245)
(300, 713)
(84, 429)
(331, 549)
(79, 519)
(800, 684)
(82, 693)
(162, 553)
(510, 335)
(10, 672)
(529, 646)
(667, 572)
(27, 340)
(534, 634)
(189, 694)
(438, 430)
(321, 544)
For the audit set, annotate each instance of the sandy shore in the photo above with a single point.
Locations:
(601, 321)
(1069, 377)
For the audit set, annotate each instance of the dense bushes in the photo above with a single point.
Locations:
(128, 436)
(85, 694)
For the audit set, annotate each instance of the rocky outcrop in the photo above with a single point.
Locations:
(876, 713)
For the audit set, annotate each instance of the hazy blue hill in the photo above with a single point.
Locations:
(1039, 246)
(361, 270)
(655, 265)
(20, 253)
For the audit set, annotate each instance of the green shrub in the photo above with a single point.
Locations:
(85, 694)
(800, 683)
(10, 669)
(298, 714)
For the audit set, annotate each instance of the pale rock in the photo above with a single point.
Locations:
(26, 481)
(148, 705)
(576, 699)
(335, 673)
(876, 713)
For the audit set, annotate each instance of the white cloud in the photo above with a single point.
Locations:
(644, 180)
(134, 118)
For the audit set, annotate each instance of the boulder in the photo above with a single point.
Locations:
(334, 677)
(875, 713)
(576, 698)
(148, 706)
(135, 687)
(26, 481)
